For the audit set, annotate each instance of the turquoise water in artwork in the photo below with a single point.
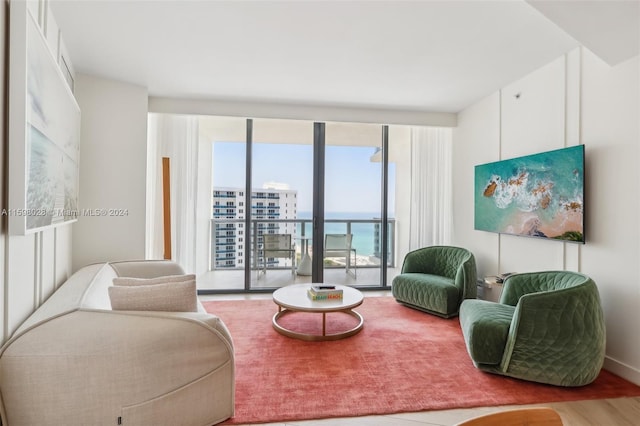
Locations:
(540, 195)
(51, 193)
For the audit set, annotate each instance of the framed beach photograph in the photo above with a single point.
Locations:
(539, 195)
(44, 133)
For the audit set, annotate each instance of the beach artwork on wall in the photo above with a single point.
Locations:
(539, 195)
(45, 148)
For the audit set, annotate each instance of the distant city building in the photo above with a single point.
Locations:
(377, 242)
(231, 240)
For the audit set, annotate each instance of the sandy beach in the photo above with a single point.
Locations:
(360, 260)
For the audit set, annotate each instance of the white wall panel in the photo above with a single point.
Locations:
(476, 141)
(524, 254)
(21, 284)
(31, 272)
(611, 134)
(573, 136)
(573, 79)
(63, 254)
(30, 266)
(533, 110)
(47, 278)
(577, 98)
(532, 121)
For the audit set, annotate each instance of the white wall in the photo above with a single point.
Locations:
(31, 266)
(476, 140)
(113, 158)
(575, 99)
(611, 133)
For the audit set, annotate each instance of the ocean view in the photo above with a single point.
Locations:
(363, 233)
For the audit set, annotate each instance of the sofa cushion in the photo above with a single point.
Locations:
(174, 297)
(485, 326)
(146, 268)
(129, 281)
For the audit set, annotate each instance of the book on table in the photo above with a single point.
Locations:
(324, 292)
(324, 296)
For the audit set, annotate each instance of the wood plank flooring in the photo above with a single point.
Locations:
(599, 412)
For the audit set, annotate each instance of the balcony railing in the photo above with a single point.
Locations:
(366, 238)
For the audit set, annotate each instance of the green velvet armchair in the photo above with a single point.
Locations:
(548, 327)
(436, 279)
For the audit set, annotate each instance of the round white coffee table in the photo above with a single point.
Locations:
(293, 298)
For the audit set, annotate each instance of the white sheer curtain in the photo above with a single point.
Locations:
(431, 214)
(176, 137)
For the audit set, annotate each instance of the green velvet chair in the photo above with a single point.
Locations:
(548, 327)
(436, 279)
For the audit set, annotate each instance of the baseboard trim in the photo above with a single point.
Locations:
(621, 369)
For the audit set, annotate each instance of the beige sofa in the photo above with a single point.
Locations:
(75, 361)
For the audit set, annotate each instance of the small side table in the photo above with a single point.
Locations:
(492, 290)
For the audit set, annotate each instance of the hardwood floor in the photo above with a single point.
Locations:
(599, 412)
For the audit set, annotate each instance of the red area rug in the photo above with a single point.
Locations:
(402, 361)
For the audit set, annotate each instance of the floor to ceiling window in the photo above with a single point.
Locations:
(264, 178)
(281, 169)
(352, 204)
(235, 180)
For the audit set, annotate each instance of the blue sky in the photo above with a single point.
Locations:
(352, 182)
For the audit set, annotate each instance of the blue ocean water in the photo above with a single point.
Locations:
(363, 233)
(548, 187)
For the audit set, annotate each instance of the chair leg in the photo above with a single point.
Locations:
(259, 272)
(355, 262)
(262, 271)
(348, 267)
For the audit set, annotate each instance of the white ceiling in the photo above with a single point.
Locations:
(437, 56)
(610, 29)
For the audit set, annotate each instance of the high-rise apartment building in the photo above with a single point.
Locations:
(273, 203)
